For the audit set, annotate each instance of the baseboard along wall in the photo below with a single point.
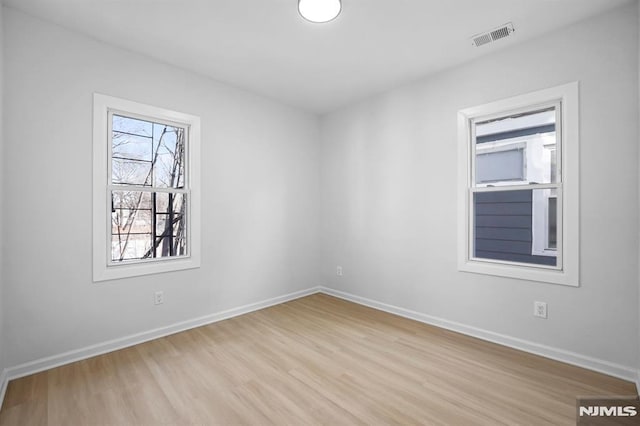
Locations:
(36, 366)
(573, 358)
(47, 363)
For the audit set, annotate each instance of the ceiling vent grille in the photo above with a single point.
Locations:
(490, 36)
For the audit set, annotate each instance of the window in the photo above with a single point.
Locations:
(146, 189)
(519, 187)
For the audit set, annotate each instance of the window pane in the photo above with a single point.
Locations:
(132, 126)
(170, 225)
(147, 153)
(506, 226)
(516, 149)
(170, 203)
(130, 224)
(171, 246)
(130, 172)
(131, 147)
(128, 221)
(553, 223)
(499, 166)
(147, 225)
(131, 247)
(169, 158)
(166, 226)
(132, 200)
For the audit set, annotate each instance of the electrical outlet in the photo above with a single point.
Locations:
(339, 271)
(540, 310)
(158, 298)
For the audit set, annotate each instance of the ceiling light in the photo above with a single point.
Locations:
(319, 10)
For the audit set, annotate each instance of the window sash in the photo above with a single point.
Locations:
(187, 214)
(186, 128)
(557, 105)
(559, 225)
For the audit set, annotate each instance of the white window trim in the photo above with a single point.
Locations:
(102, 268)
(568, 275)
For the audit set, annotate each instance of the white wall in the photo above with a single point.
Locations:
(259, 194)
(388, 179)
(387, 201)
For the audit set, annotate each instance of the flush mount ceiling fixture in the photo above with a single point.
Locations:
(319, 11)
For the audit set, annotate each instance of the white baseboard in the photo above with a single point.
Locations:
(47, 363)
(573, 358)
(601, 366)
(4, 382)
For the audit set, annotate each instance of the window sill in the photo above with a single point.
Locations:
(114, 272)
(551, 276)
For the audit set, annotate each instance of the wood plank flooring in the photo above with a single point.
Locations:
(315, 360)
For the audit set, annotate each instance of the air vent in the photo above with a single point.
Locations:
(490, 36)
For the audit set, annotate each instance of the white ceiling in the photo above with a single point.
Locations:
(266, 47)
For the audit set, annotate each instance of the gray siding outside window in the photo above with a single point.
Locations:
(503, 227)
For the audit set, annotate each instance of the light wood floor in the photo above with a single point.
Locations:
(315, 360)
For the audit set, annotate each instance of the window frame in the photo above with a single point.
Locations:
(103, 267)
(538, 217)
(567, 273)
